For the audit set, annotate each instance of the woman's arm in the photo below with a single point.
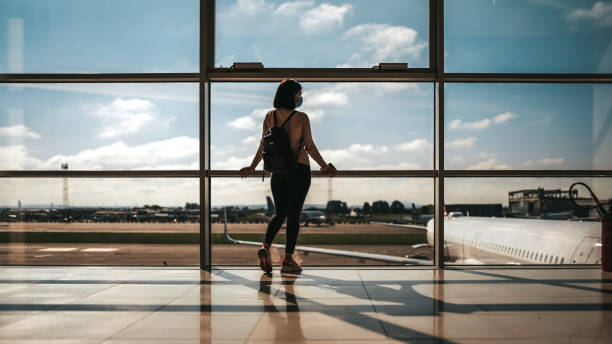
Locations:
(258, 155)
(311, 148)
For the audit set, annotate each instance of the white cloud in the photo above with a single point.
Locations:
(551, 161)
(477, 125)
(504, 117)
(414, 145)
(243, 123)
(400, 166)
(315, 115)
(251, 139)
(125, 116)
(324, 17)
(178, 152)
(19, 130)
(483, 123)
(233, 163)
(356, 154)
(16, 157)
(259, 113)
(359, 148)
(544, 162)
(491, 164)
(325, 97)
(383, 43)
(251, 7)
(600, 14)
(293, 7)
(461, 143)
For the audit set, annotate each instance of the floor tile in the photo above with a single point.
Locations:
(68, 325)
(313, 326)
(202, 327)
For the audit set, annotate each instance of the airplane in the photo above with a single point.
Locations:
(494, 240)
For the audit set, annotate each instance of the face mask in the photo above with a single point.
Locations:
(299, 102)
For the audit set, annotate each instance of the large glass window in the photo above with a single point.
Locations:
(103, 221)
(99, 126)
(526, 36)
(95, 36)
(363, 126)
(528, 126)
(374, 215)
(523, 220)
(316, 34)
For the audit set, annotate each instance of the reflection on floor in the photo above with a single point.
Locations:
(172, 305)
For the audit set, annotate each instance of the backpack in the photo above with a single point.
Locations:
(278, 156)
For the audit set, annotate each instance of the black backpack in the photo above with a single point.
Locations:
(278, 156)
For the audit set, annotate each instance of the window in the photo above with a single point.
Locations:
(88, 36)
(320, 34)
(99, 126)
(522, 36)
(100, 221)
(352, 219)
(357, 126)
(527, 126)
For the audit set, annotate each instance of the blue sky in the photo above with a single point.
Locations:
(355, 125)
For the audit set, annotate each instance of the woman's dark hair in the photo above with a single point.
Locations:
(285, 94)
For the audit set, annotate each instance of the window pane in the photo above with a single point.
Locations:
(528, 126)
(94, 36)
(524, 36)
(522, 221)
(112, 221)
(99, 126)
(354, 125)
(317, 34)
(349, 224)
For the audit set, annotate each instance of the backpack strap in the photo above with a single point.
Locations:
(288, 118)
(274, 113)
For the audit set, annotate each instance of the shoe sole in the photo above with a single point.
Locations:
(289, 270)
(264, 260)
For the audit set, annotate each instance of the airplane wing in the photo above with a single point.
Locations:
(401, 225)
(351, 254)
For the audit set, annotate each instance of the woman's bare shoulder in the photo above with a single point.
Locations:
(301, 114)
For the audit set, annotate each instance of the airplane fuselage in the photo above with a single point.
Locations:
(491, 240)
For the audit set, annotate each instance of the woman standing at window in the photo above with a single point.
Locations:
(289, 189)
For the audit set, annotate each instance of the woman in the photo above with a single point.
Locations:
(288, 189)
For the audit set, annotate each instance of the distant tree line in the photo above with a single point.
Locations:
(378, 208)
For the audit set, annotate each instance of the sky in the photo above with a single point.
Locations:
(356, 126)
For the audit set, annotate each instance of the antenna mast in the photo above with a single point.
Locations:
(65, 201)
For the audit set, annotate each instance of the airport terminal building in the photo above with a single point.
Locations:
(472, 139)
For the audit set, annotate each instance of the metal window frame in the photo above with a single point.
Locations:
(209, 74)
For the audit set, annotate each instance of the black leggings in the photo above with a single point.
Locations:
(289, 191)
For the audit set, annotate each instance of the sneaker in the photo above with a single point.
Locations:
(291, 267)
(264, 259)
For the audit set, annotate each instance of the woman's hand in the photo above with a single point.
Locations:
(245, 171)
(329, 170)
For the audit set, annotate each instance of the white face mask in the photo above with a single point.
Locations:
(299, 102)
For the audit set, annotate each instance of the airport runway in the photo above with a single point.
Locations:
(123, 227)
(177, 255)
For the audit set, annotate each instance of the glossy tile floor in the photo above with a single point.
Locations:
(174, 305)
